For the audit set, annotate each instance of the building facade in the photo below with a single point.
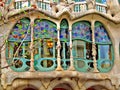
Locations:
(60, 44)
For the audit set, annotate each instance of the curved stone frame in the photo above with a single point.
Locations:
(19, 36)
(32, 83)
(86, 68)
(105, 41)
(82, 37)
(71, 82)
(45, 30)
(64, 41)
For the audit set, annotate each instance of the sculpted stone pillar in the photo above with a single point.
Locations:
(31, 46)
(94, 47)
(59, 68)
(71, 55)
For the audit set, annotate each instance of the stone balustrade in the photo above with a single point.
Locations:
(78, 7)
(101, 7)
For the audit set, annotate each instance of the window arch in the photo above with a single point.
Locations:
(82, 46)
(17, 50)
(45, 35)
(104, 48)
(64, 39)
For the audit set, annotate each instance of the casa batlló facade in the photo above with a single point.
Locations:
(60, 44)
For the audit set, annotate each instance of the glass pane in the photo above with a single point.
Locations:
(101, 34)
(64, 37)
(81, 30)
(105, 52)
(78, 49)
(44, 48)
(89, 51)
(21, 31)
(17, 51)
(27, 53)
(45, 29)
(65, 51)
(64, 34)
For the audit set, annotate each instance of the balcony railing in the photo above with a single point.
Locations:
(80, 7)
(22, 4)
(44, 5)
(101, 7)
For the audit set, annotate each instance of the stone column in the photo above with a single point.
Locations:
(31, 46)
(59, 68)
(71, 55)
(94, 47)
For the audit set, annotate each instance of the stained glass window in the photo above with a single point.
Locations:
(44, 29)
(101, 34)
(104, 48)
(81, 30)
(45, 35)
(21, 31)
(64, 34)
(18, 50)
(64, 38)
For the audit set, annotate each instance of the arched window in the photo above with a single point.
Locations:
(82, 46)
(64, 38)
(18, 51)
(104, 48)
(45, 38)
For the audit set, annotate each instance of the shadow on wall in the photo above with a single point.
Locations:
(97, 87)
(29, 89)
(62, 86)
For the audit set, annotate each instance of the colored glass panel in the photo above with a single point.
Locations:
(81, 30)
(101, 33)
(64, 34)
(21, 31)
(45, 29)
